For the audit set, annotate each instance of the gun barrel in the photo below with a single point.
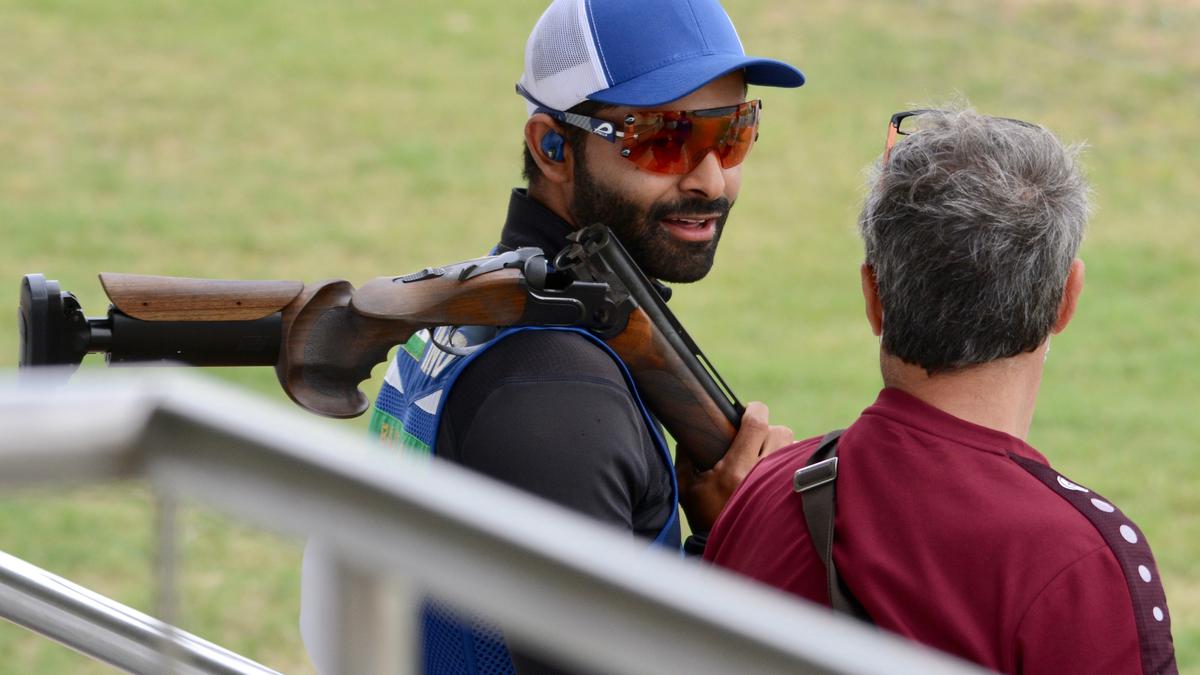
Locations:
(620, 262)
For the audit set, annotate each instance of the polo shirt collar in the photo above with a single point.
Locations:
(530, 224)
(911, 411)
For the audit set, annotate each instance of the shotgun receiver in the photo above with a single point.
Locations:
(323, 339)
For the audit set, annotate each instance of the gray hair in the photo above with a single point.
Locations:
(971, 229)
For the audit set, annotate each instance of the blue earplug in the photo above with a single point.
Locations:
(552, 146)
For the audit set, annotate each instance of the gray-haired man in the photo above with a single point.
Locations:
(951, 529)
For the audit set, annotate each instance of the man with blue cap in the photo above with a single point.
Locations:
(638, 119)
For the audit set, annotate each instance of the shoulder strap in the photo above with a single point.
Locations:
(1132, 553)
(817, 481)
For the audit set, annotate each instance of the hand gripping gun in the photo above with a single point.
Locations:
(324, 338)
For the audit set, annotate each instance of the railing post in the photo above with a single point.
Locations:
(166, 575)
(354, 620)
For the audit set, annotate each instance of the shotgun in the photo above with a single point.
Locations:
(323, 339)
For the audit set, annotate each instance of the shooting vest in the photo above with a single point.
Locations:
(407, 413)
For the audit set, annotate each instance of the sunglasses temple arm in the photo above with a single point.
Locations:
(893, 128)
(602, 128)
(598, 127)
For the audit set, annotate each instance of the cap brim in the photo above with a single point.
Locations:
(676, 80)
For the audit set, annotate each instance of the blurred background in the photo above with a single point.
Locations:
(353, 139)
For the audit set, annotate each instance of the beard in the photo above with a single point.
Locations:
(651, 246)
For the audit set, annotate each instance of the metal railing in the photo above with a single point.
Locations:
(401, 526)
(105, 629)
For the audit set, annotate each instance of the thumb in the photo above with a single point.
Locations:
(750, 436)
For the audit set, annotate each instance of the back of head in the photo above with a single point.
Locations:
(971, 228)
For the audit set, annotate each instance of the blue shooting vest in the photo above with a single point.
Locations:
(407, 413)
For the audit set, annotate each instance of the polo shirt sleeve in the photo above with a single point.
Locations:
(1081, 622)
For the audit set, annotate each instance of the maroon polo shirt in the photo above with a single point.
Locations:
(963, 538)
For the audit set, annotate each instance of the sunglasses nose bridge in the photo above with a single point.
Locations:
(705, 177)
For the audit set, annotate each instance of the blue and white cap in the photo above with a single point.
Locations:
(639, 53)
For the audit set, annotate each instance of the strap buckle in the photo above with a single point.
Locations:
(815, 475)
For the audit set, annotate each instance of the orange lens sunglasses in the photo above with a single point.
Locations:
(675, 141)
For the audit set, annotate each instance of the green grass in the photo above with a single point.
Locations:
(353, 139)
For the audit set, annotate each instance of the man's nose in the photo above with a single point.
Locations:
(707, 180)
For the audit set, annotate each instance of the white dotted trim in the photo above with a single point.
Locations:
(1128, 533)
(1103, 505)
(1144, 573)
(1071, 486)
(1158, 614)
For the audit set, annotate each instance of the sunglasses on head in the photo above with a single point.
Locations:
(908, 122)
(673, 141)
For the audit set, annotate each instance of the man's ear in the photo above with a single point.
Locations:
(1070, 297)
(558, 170)
(870, 291)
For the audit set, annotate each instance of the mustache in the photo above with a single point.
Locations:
(719, 206)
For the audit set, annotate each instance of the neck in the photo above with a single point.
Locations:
(554, 199)
(999, 395)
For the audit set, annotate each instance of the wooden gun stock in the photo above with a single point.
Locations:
(673, 392)
(156, 298)
(329, 336)
(333, 335)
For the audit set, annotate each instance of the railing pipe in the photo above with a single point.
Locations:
(105, 629)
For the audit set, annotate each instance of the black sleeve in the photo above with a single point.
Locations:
(550, 413)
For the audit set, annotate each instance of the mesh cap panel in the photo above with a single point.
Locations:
(559, 43)
(562, 67)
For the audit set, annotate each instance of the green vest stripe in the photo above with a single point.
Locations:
(391, 431)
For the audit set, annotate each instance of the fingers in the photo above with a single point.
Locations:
(753, 432)
(706, 493)
(774, 436)
(756, 414)
(777, 437)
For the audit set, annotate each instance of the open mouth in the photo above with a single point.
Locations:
(691, 228)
